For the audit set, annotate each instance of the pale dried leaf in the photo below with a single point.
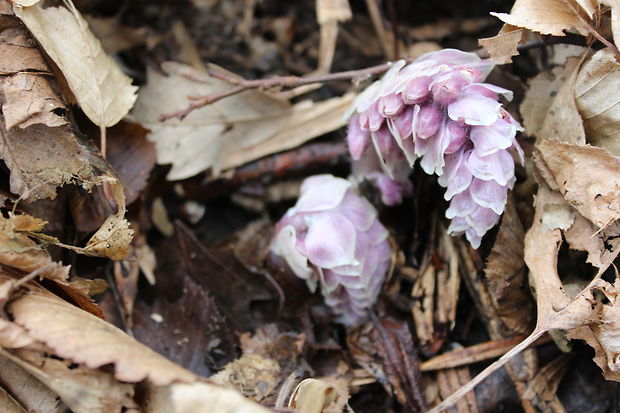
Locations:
(594, 194)
(599, 104)
(562, 120)
(114, 35)
(252, 375)
(9, 404)
(29, 99)
(503, 46)
(601, 245)
(198, 398)
(615, 18)
(312, 396)
(104, 93)
(17, 53)
(81, 389)
(229, 132)
(85, 339)
(506, 275)
(542, 389)
(30, 392)
(547, 16)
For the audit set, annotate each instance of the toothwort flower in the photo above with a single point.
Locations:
(436, 109)
(333, 238)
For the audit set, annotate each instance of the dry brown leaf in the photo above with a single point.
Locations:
(542, 389)
(198, 398)
(229, 132)
(313, 396)
(85, 339)
(506, 275)
(550, 16)
(27, 390)
(597, 99)
(252, 375)
(114, 35)
(594, 194)
(503, 46)
(104, 93)
(9, 404)
(81, 389)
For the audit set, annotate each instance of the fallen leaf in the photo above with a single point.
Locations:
(594, 194)
(229, 132)
(27, 390)
(9, 404)
(83, 338)
(313, 396)
(104, 93)
(81, 389)
(549, 16)
(198, 398)
(599, 106)
(115, 36)
(542, 389)
(503, 46)
(506, 275)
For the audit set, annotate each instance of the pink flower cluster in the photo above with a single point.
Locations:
(437, 109)
(333, 238)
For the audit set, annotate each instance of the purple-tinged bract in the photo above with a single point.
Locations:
(332, 238)
(437, 109)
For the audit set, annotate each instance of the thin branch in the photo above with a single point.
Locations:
(241, 85)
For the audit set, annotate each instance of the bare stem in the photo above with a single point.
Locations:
(241, 85)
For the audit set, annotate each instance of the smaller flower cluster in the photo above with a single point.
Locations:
(436, 109)
(332, 237)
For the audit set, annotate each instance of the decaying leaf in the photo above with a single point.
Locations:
(316, 396)
(83, 338)
(104, 93)
(506, 275)
(550, 16)
(503, 46)
(229, 132)
(599, 105)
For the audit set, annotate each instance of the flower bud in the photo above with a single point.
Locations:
(426, 122)
(333, 238)
(418, 90)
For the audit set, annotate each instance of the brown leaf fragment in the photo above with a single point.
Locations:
(81, 389)
(132, 156)
(601, 245)
(504, 45)
(389, 345)
(506, 275)
(450, 380)
(549, 109)
(18, 52)
(198, 398)
(104, 92)
(26, 389)
(313, 396)
(9, 404)
(595, 193)
(253, 375)
(28, 100)
(83, 338)
(57, 159)
(597, 100)
(229, 132)
(115, 36)
(205, 341)
(542, 389)
(549, 16)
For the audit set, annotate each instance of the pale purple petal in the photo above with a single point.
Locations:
(433, 160)
(390, 105)
(489, 139)
(284, 245)
(357, 210)
(458, 135)
(418, 90)
(426, 121)
(474, 110)
(330, 241)
(489, 194)
(482, 220)
(488, 90)
(498, 166)
(461, 205)
(320, 193)
(357, 139)
(447, 88)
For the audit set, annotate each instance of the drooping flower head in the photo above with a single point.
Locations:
(333, 238)
(437, 110)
